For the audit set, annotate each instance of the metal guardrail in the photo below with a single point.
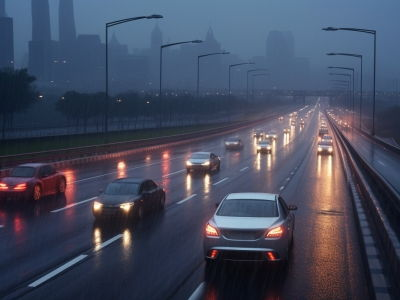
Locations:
(379, 141)
(384, 212)
(73, 156)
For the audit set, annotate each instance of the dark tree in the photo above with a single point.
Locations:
(16, 94)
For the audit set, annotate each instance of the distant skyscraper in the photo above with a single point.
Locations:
(66, 21)
(40, 48)
(40, 20)
(7, 38)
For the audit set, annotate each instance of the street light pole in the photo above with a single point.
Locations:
(109, 25)
(253, 78)
(161, 63)
(247, 80)
(361, 80)
(347, 75)
(198, 67)
(368, 31)
(230, 67)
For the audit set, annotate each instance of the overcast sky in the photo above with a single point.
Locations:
(240, 25)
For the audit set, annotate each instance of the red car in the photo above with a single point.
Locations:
(32, 181)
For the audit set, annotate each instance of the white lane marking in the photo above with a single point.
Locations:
(187, 199)
(287, 179)
(291, 173)
(108, 242)
(281, 188)
(115, 172)
(244, 169)
(198, 292)
(173, 173)
(1, 226)
(73, 204)
(57, 271)
(381, 163)
(222, 180)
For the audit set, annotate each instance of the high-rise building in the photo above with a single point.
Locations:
(66, 19)
(7, 38)
(63, 62)
(40, 48)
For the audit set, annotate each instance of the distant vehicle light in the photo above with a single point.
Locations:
(3, 186)
(330, 149)
(258, 147)
(126, 207)
(97, 205)
(276, 232)
(268, 147)
(319, 149)
(20, 187)
(211, 231)
(188, 163)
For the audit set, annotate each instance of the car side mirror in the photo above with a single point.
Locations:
(216, 205)
(292, 207)
(101, 191)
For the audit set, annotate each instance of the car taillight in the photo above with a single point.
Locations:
(275, 233)
(20, 187)
(3, 186)
(211, 231)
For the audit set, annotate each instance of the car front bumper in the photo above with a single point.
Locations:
(231, 250)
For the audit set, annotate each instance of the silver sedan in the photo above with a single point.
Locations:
(249, 227)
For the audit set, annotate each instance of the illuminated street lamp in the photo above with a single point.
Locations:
(198, 67)
(109, 25)
(372, 32)
(232, 66)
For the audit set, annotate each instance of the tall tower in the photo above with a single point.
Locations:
(40, 48)
(7, 37)
(66, 19)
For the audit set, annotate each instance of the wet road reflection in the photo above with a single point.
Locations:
(121, 166)
(245, 281)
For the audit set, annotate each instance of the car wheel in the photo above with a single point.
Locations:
(37, 193)
(62, 185)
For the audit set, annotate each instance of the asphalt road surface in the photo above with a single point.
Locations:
(55, 250)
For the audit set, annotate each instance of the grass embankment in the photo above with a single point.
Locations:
(12, 147)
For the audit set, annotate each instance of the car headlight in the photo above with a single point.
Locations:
(319, 149)
(97, 205)
(258, 147)
(188, 163)
(207, 163)
(330, 149)
(126, 207)
(269, 148)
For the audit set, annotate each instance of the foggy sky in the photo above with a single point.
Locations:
(241, 26)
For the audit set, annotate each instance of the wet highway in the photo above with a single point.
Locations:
(55, 250)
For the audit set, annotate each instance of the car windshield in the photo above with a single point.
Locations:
(248, 208)
(122, 188)
(200, 156)
(264, 144)
(232, 140)
(325, 143)
(23, 172)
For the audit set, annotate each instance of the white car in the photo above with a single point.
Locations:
(203, 161)
(264, 147)
(249, 227)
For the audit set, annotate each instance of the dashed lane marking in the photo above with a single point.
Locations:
(72, 205)
(57, 271)
(281, 188)
(187, 199)
(173, 173)
(107, 243)
(243, 169)
(218, 182)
